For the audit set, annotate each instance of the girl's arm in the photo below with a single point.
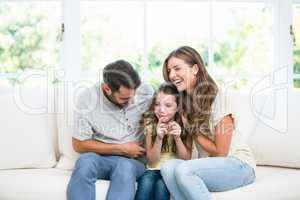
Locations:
(153, 148)
(184, 151)
(223, 134)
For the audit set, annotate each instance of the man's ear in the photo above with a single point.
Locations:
(195, 69)
(106, 89)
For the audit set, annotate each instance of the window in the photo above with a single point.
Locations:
(240, 35)
(28, 36)
(170, 25)
(241, 40)
(296, 30)
(111, 31)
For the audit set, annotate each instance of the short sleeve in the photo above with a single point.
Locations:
(82, 129)
(144, 97)
(221, 107)
(145, 90)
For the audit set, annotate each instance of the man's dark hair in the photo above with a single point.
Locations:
(121, 73)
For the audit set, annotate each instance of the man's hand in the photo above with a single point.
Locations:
(133, 149)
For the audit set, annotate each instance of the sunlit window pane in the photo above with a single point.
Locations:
(243, 38)
(296, 27)
(297, 83)
(174, 24)
(29, 35)
(111, 31)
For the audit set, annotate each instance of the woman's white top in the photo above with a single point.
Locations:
(221, 107)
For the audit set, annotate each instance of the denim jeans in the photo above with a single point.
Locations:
(195, 179)
(152, 187)
(121, 171)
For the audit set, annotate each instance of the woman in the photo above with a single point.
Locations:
(164, 140)
(207, 116)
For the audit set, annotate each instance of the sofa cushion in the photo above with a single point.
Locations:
(275, 140)
(243, 107)
(266, 120)
(27, 129)
(67, 154)
(272, 184)
(65, 104)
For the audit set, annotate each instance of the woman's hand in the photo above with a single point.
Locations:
(174, 129)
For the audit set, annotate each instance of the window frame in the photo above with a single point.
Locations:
(295, 76)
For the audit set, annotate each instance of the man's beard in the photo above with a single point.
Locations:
(112, 99)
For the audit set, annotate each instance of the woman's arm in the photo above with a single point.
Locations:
(223, 134)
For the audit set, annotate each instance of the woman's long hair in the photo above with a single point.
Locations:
(197, 105)
(149, 120)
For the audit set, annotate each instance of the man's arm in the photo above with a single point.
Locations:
(130, 149)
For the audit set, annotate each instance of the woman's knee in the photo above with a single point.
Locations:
(182, 171)
(168, 168)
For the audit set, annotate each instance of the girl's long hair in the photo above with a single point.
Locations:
(149, 120)
(196, 107)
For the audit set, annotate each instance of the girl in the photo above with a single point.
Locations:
(164, 140)
(207, 116)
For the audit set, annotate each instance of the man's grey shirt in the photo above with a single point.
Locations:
(98, 118)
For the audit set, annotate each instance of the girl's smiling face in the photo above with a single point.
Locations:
(165, 107)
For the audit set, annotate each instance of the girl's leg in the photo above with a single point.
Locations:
(197, 178)
(160, 190)
(168, 173)
(146, 185)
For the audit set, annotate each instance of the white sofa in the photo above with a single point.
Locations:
(36, 156)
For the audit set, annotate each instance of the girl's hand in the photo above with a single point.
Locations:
(174, 129)
(161, 129)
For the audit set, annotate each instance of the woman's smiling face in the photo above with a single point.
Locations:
(182, 75)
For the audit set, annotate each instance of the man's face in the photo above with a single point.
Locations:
(122, 97)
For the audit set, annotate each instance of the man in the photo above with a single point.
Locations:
(107, 134)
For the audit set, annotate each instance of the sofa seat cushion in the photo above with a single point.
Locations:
(272, 183)
(37, 184)
(48, 184)
(33, 184)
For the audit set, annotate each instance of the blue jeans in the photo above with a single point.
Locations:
(152, 187)
(195, 179)
(121, 171)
